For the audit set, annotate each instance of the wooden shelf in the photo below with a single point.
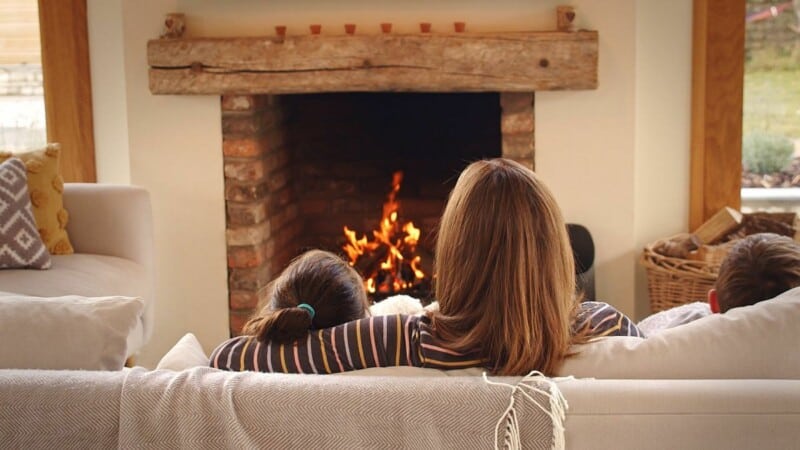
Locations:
(461, 62)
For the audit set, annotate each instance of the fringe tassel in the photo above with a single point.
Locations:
(508, 423)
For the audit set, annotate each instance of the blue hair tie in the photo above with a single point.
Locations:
(309, 309)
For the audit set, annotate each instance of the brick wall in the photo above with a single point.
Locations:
(300, 167)
(261, 214)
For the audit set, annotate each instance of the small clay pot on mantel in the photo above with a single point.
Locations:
(315, 28)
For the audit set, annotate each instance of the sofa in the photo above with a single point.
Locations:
(111, 230)
(725, 381)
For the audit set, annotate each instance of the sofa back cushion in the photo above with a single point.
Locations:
(758, 341)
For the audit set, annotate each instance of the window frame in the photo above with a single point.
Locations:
(717, 100)
(67, 81)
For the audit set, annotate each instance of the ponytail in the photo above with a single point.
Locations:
(283, 325)
(317, 290)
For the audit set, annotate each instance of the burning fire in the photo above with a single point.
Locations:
(388, 262)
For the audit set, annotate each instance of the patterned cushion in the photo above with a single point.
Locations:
(20, 244)
(46, 188)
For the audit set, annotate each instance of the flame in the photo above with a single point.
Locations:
(413, 234)
(415, 267)
(370, 285)
(399, 268)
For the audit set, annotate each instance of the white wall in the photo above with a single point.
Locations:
(110, 113)
(599, 150)
(663, 102)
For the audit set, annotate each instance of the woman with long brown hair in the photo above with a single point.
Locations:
(505, 272)
(505, 283)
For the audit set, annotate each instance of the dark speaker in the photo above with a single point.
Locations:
(583, 250)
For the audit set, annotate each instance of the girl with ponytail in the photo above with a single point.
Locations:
(317, 290)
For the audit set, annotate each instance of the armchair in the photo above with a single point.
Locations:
(111, 230)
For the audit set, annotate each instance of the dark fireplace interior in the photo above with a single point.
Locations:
(345, 148)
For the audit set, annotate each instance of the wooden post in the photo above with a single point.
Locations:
(68, 85)
(717, 95)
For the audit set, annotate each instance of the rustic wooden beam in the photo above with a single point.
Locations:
(463, 62)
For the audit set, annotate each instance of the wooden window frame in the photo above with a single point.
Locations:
(717, 98)
(64, 38)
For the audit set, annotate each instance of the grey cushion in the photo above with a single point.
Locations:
(20, 243)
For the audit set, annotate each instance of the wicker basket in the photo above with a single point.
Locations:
(675, 281)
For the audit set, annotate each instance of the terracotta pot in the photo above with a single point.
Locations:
(460, 26)
(280, 30)
(315, 29)
(386, 27)
(425, 27)
(350, 28)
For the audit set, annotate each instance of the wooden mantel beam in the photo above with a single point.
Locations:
(462, 62)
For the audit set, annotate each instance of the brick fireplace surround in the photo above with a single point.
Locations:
(279, 201)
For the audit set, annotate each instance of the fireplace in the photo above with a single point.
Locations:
(300, 167)
(314, 127)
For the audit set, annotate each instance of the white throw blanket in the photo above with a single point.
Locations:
(207, 408)
(59, 409)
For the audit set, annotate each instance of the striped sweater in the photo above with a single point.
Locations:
(381, 341)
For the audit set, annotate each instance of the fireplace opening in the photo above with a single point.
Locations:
(301, 167)
(347, 150)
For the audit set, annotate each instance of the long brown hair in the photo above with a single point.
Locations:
(317, 278)
(505, 271)
(759, 267)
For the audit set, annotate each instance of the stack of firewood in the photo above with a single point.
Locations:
(711, 241)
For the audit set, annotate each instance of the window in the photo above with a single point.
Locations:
(22, 115)
(771, 116)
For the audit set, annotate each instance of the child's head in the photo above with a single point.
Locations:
(505, 271)
(317, 290)
(757, 268)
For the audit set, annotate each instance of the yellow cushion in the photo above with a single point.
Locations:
(46, 187)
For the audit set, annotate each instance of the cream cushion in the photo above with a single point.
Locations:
(185, 354)
(69, 332)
